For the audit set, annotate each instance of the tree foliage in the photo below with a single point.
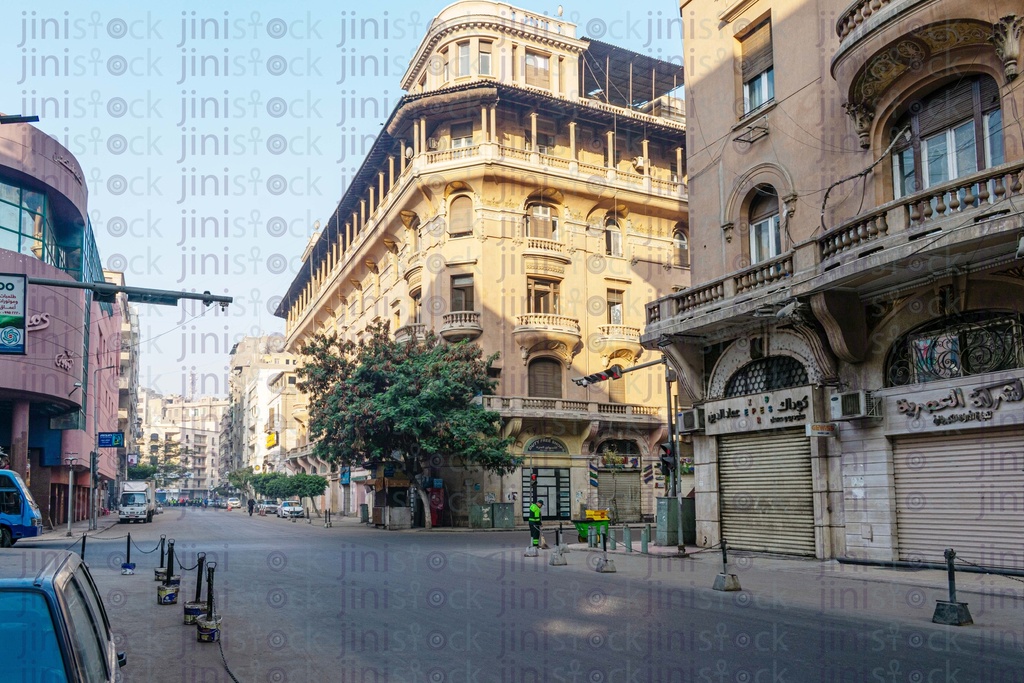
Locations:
(240, 478)
(380, 400)
(141, 472)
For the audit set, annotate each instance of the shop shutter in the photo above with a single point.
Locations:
(961, 491)
(766, 493)
(624, 487)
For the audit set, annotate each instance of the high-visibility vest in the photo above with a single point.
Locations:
(534, 512)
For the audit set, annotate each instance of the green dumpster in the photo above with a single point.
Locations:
(583, 526)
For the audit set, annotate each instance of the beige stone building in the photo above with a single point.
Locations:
(528, 193)
(857, 272)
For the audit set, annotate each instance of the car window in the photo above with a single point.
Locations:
(86, 634)
(30, 648)
(92, 596)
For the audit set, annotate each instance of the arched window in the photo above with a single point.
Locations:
(969, 344)
(612, 236)
(542, 221)
(954, 131)
(460, 216)
(766, 374)
(680, 247)
(765, 235)
(545, 377)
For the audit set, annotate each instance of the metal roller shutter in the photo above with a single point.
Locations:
(766, 492)
(961, 491)
(625, 488)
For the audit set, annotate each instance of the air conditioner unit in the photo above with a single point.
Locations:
(854, 405)
(432, 143)
(638, 163)
(690, 421)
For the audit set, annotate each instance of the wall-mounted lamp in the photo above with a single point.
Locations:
(408, 152)
(78, 385)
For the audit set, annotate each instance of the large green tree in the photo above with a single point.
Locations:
(413, 402)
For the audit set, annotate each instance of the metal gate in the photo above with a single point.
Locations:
(961, 491)
(619, 493)
(766, 493)
(552, 487)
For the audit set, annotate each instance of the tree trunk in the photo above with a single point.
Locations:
(425, 500)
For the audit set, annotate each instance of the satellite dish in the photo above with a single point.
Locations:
(559, 10)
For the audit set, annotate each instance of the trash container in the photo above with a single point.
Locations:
(689, 513)
(364, 513)
(504, 515)
(480, 517)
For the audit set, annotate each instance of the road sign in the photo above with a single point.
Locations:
(111, 439)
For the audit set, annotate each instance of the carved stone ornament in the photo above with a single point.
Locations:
(727, 230)
(862, 115)
(1006, 35)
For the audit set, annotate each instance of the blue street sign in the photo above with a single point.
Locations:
(111, 439)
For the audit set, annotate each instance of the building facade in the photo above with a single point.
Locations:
(853, 336)
(528, 194)
(58, 394)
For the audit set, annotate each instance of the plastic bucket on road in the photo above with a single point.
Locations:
(160, 573)
(207, 629)
(193, 610)
(167, 595)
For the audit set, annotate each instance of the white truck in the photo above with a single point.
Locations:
(137, 502)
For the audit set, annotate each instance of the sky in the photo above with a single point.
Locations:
(213, 136)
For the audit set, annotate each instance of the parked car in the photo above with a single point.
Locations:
(54, 623)
(267, 507)
(290, 508)
(234, 503)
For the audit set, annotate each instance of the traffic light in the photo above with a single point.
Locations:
(668, 459)
(533, 483)
(614, 372)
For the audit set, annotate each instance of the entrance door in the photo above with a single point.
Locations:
(552, 488)
(619, 493)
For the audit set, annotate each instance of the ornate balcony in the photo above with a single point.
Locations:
(409, 332)
(525, 407)
(548, 332)
(612, 340)
(461, 325)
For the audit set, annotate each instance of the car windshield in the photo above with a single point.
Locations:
(31, 652)
(133, 499)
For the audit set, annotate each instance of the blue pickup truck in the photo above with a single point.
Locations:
(53, 625)
(19, 514)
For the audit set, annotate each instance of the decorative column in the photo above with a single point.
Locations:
(533, 131)
(611, 149)
(647, 158)
(572, 140)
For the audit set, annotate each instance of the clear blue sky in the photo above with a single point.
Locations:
(116, 82)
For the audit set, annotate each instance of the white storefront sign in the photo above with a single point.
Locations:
(757, 412)
(965, 403)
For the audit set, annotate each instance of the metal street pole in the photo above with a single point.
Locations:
(94, 471)
(71, 483)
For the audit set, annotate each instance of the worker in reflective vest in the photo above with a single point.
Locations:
(535, 510)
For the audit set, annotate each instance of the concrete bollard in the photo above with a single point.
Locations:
(645, 538)
(726, 581)
(605, 565)
(627, 538)
(950, 612)
(611, 537)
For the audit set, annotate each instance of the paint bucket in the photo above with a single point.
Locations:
(127, 568)
(175, 580)
(193, 610)
(207, 629)
(160, 573)
(166, 595)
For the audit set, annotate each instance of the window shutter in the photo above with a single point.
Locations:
(462, 130)
(757, 51)
(989, 94)
(764, 205)
(545, 379)
(617, 390)
(942, 110)
(460, 221)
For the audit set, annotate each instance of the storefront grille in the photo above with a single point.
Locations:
(766, 374)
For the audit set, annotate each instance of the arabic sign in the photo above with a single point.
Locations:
(110, 439)
(12, 314)
(970, 403)
(772, 410)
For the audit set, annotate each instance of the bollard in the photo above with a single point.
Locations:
(611, 536)
(645, 538)
(167, 592)
(591, 537)
(627, 539)
(950, 612)
(309, 520)
(208, 625)
(604, 565)
(128, 567)
(726, 581)
(159, 571)
(82, 553)
(194, 608)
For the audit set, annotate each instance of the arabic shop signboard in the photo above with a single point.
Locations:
(12, 314)
(759, 412)
(967, 403)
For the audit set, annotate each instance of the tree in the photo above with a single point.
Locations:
(307, 486)
(141, 472)
(380, 400)
(240, 478)
(271, 485)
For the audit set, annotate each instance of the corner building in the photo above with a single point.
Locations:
(857, 263)
(528, 194)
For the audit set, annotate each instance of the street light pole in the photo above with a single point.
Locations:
(71, 483)
(94, 457)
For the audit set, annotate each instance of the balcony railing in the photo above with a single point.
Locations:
(548, 321)
(856, 15)
(764, 273)
(512, 405)
(461, 325)
(545, 245)
(917, 212)
(413, 331)
(619, 332)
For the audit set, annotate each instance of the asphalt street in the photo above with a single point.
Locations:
(351, 603)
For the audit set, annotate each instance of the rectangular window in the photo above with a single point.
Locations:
(538, 71)
(903, 175)
(541, 223)
(950, 154)
(462, 293)
(757, 70)
(417, 308)
(446, 73)
(993, 125)
(614, 305)
(765, 239)
(484, 64)
(463, 67)
(542, 296)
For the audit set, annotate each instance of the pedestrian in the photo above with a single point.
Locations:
(252, 506)
(536, 507)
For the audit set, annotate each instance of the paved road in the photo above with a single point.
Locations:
(352, 604)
